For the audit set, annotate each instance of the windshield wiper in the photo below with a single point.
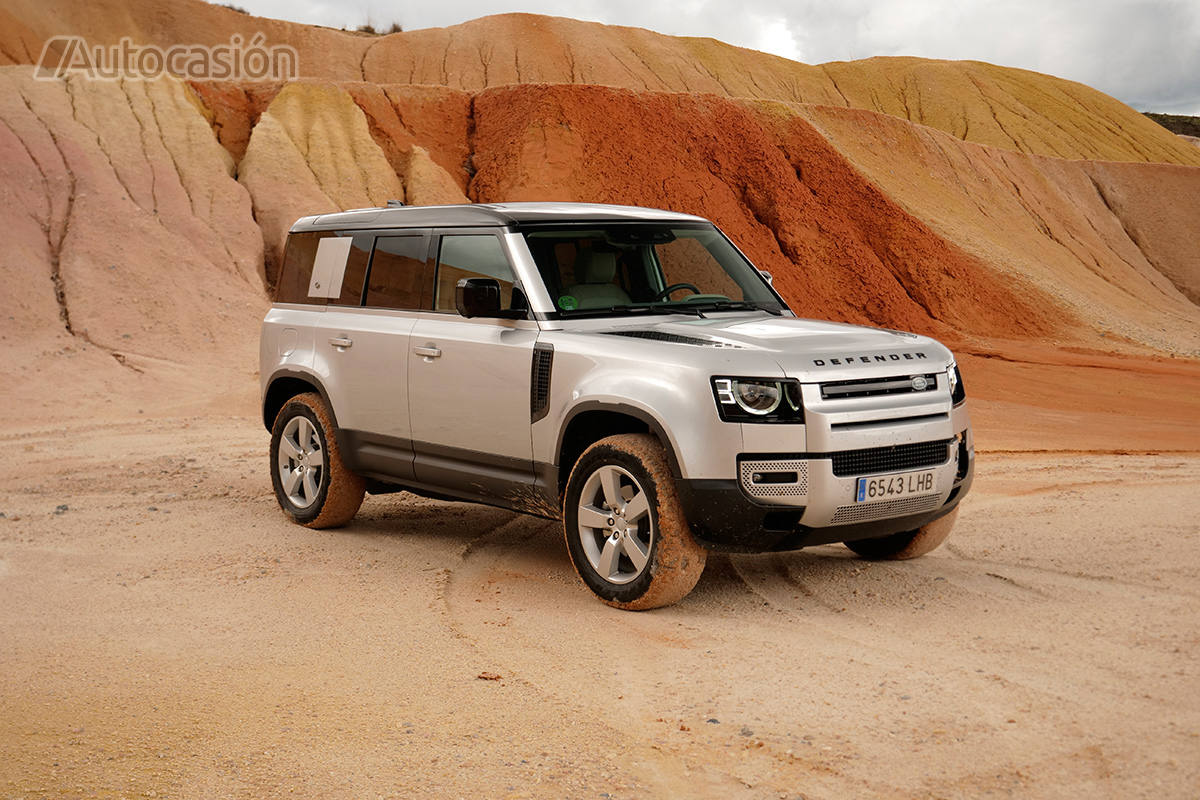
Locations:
(663, 309)
(738, 305)
(681, 309)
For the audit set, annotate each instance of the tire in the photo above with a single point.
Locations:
(318, 495)
(907, 544)
(646, 557)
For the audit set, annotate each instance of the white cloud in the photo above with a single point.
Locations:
(775, 36)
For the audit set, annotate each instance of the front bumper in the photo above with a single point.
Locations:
(723, 516)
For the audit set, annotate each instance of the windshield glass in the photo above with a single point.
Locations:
(613, 268)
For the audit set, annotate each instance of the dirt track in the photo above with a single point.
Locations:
(170, 634)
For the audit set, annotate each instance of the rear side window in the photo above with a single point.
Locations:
(324, 267)
(471, 256)
(295, 274)
(397, 272)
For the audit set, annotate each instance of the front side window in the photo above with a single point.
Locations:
(593, 270)
(471, 256)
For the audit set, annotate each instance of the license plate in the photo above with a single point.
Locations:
(887, 487)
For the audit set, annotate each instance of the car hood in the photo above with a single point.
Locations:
(811, 350)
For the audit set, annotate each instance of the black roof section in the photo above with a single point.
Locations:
(486, 215)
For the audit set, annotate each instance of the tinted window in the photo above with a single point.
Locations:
(296, 271)
(356, 271)
(397, 269)
(472, 256)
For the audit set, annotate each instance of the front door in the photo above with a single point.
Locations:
(469, 381)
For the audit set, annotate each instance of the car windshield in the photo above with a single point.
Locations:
(625, 268)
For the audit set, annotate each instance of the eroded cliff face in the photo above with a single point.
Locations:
(145, 219)
(1015, 109)
(131, 248)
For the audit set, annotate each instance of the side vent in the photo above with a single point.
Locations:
(539, 380)
(675, 338)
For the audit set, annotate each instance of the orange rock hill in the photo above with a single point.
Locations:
(1042, 228)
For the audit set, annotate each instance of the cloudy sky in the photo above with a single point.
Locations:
(1144, 52)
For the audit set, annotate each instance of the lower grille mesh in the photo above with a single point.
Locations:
(865, 512)
(769, 490)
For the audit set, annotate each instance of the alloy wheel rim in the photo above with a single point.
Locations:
(301, 462)
(615, 525)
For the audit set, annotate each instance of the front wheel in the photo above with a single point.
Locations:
(625, 528)
(312, 485)
(907, 544)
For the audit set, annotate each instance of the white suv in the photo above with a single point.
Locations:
(625, 370)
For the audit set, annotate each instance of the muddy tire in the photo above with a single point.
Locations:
(907, 544)
(312, 485)
(625, 529)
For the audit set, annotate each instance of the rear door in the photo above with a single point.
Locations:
(364, 340)
(469, 378)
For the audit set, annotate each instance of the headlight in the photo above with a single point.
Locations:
(758, 400)
(957, 392)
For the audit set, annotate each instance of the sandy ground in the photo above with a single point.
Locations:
(164, 632)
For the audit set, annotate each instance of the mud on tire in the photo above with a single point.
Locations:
(625, 529)
(312, 484)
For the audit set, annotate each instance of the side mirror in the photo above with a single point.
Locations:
(477, 297)
(766, 276)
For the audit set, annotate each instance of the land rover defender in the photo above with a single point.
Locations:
(625, 370)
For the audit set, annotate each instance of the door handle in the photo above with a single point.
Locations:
(428, 351)
(340, 342)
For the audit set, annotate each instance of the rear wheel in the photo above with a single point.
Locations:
(312, 485)
(907, 544)
(625, 529)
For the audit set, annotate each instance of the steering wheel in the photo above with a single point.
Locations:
(663, 294)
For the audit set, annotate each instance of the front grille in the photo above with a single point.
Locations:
(869, 387)
(891, 459)
(796, 488)
(903, 507)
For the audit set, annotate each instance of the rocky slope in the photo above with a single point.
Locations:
(977, 102)
(146, 217)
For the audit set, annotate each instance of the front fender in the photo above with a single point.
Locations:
(675, 402)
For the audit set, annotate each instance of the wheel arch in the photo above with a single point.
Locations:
(593, 420)
(286, 384)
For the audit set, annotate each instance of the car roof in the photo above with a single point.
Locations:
(486, 214)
